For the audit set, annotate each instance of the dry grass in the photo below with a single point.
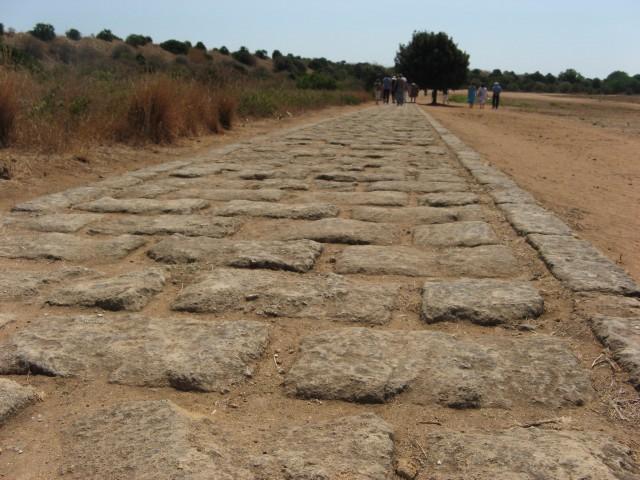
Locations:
(8, 109)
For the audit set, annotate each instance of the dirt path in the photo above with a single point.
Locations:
(342, 301)
(577, 156)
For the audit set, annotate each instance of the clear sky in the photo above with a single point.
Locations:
(593, 36)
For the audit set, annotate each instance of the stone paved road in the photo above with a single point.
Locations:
(361, 298)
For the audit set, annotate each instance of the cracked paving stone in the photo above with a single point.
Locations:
(483, 261)
(337, 230)
(185, 354)
(422, 187)
(448, 199)
(63, 246)
(144, 205)
(342, 176)
(54, 222)
(13, 398)
(530, 218)
(296, 256)
(129, 291)
(485, 302)
(188, 225)
(61, 200)
(511, 195)
(456, 234)
(389, 199)
(227, 194)
(278, 210)
(23, 284)
(426, 367)
(409, 215)
(279, 294)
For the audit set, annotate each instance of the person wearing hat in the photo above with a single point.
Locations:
(495, 100)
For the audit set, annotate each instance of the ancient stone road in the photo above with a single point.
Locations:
(362, 298)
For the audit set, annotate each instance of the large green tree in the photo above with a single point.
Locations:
(433, 60)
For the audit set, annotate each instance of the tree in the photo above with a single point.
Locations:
(275, 54)
(262, 54)
(200, 46)
(244, 56)
(433, 60)
(44, 32)
(73, 34)
(224, 50)
(175, 46)
(570, 75)
(136, 40)
(107, 36)
(1, 29)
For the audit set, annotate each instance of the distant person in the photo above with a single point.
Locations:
(495, 100)
(471, 95)
(394, 87)
(377, 88)
(414, 90)
(401, 89)
(386, 88)
(482, 96)
(445, 96)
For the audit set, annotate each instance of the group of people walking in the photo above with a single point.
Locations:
(395, 89)
(480, 95)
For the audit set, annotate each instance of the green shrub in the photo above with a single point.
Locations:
(276, 54)
(44, 32)
(244, 56)
(136, 40)
(175, 46)
(224, 50)
(107, 36)
(316, 81)
(261, 54)
(73, 34)
(200, 46)
(289, 64)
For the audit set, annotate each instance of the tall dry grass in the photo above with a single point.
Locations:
(8, 108)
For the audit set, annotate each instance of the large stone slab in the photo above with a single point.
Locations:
(62, 246)
(457, 234)
(129, 291)
(529, 218)
(581, 266)
(484, 261)
(278, 210)
(13, 398)
(54, 222)
(415, 186)
(147, 190)
(365, 365)
(61, 200)
(511, 195)
(389, 199)
(227, 194)
(622, 336)
(337, 230)
(486, 302)
(24, 284)
(185, 354)
(529, 454)
(144, 205)
(277, 294)
(297, 256)
(409, 215)
(448, 199)
(148, 440)
(352, 176)
(189, 225)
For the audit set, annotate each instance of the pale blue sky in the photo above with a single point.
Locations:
(592, 36)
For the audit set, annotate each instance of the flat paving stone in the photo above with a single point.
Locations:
(146, 190)
(144, 205)
(345, 176)
(456, 234)
(54, 222)
(337, 230)
(511, 195)
(448, 199)
(153, 439)
(61, 200)
(63, 246)
(414, 186)
(278, 210)
(278, 294)
(282, 184)
(530, 218)
(408, 215)
(485, 302)
(581, 266)
(529, 454)
(227, 194)
(389, 199)
(365, 365)
(13, 398)
(194, 171)
(296, 256)
(622, 336)
(24, 284)
(483, 261)
(189, 225)
(185, 354)
(129, 291)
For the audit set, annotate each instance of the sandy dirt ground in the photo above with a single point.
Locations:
(577, 155)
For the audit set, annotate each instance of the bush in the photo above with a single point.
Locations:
(317, 81)
(175, 46)
(276, 54)
(63, 51)
(32, 47)
(107, 36)
(122, 52)
(8, 110)
(44, 32)
(136, 40)
(73, 34)
(1, 29)
(227, 111)
(244, 56)
(151, 114)
(224, 50)
(261, 54)
(200, 46)
(289, 64)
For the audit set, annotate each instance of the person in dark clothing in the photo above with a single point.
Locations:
(495, 100)
(386, 89)
(394, 87)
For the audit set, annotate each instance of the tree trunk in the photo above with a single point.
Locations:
(434, 96)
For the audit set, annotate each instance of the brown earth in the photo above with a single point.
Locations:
(577, 155)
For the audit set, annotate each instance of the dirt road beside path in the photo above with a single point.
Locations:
(578, 156)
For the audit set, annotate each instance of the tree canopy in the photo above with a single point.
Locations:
(433, 60)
